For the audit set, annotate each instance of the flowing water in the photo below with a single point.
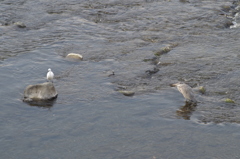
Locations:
(149, 44)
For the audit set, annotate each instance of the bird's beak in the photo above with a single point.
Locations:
(173, 85)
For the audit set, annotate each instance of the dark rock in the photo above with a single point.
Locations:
(150, 72)
(44, 91)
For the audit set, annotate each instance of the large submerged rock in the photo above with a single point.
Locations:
(40, 92)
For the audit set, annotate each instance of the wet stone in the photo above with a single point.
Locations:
(74, 56)
(153, 60)
(109, 73)
(228, 100)
(200, 89)
(43, 91)
(20, 24)
(162, 51)
(153, 71)
(127, 93)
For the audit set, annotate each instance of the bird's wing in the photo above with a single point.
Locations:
(186, 92)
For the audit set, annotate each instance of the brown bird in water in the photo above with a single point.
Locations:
(186, 91)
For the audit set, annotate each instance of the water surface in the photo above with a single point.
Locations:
(90, 118)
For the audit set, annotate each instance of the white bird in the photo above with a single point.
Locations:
(50, 75)
(186, 91)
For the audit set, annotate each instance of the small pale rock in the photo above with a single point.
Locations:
(74, 56)
(127, 93)
(43, 91)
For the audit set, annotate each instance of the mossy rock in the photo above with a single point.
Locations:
(228, 100)
(163, 51)
(20, 24)
(166, 49)
(202, 89)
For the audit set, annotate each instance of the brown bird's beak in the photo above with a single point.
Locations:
(173, 85)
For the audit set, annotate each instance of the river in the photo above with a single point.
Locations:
(148, 44)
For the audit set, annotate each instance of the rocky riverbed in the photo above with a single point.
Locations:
(116, 101)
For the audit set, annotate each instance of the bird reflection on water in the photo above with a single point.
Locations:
(186, 111)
